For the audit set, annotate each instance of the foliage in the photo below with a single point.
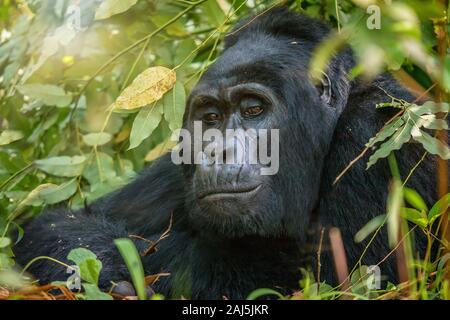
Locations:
(410, 124)
(133, 261)
(90, 91)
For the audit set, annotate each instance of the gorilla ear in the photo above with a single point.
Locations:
(323, 87)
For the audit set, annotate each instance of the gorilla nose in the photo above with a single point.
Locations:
(233, 151)
(223, 174)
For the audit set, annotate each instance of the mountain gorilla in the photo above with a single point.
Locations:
(235, 230)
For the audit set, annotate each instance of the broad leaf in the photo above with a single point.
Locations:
(4, 242)
(147, 88)
(62, 166)
(407, 126)
(439, 208)
(430, 121)
(160, 149)
(99, 169)
(92, 292)
(263, 292)
(174, 105)
(146, 121)
(97, 139)
(88, 263)
(388, 131)
(415, 216)
(50, 95)
(109, 8)
(33, 198)
(55, 194)
(413, 198)
(133, 261)
(370, 227)
(8, 136)
(394, 204)
(400, 137)
(429, 107)
(431, 144)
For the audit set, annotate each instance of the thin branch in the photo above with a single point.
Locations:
(152, 247)
(364, 151)
(319, 265)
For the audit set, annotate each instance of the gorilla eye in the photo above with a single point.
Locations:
(253, 111)
(251, 107)
(211, 118)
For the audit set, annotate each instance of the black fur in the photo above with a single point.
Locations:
(317, 143)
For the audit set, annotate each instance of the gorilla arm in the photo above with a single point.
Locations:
(142, 207)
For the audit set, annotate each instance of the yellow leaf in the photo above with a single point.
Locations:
(147, 88)
(32, 197)
(160, 150)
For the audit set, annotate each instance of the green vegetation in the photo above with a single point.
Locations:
(90, 93)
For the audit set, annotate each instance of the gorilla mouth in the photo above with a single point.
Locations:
(229, 192)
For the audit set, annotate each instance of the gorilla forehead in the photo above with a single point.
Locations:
(261, 58)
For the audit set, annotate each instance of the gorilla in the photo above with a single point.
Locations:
(234, 230)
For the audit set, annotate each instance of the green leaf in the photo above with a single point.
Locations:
(439, 208)
(62, 166)
(97, 139)
(88, 263)
(133, 261)
(100, 189)
(394, 204)
(430, 121)
(388, 131)
(429, 107)
(174, 29)
(415, 216)
(146, 121)
(109, 8)
(443, 261)
(4, 242)
(315, 292)
(174, 105)
(370, 227)
(258, 293)
(360, 280)
(33, 198)
(431, 144)
(446, 75)
(59, 193)
(161, 149)
(413, 198)
(400, 137)
(99, 169)
(8, 136)
(49, 94)
(213, 13)
(92, 292)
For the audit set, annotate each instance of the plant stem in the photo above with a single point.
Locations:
(441, 97)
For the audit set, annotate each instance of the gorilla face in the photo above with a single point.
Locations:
(234, 196)
(256, 85)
